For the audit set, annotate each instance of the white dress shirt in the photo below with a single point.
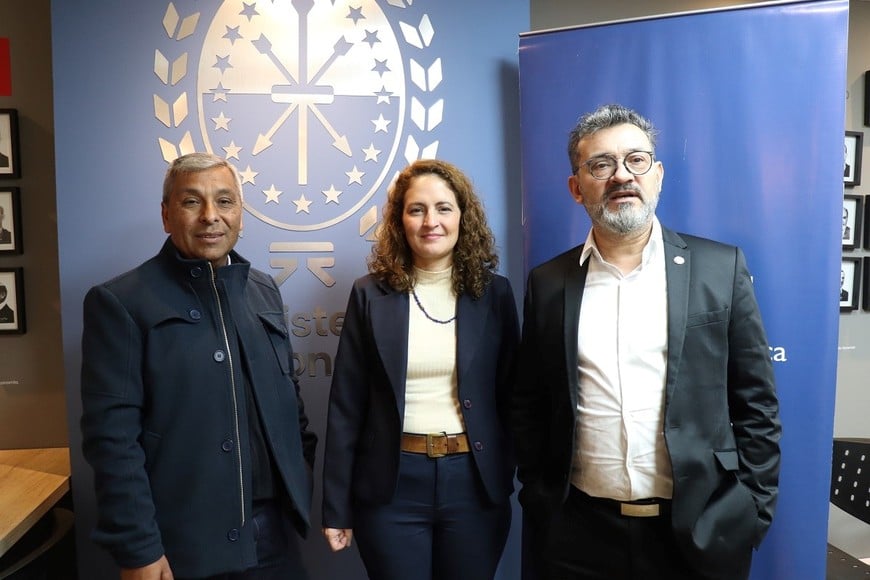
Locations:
(622, 366)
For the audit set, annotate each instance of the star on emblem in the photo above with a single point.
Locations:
(381, 123)
(222, 63)
(220, 93)
(355, 14)
(371, 153)
(354, 175)
(221, 122)
(248, 175)
(249, 10)
(331, 194)
(381, 67)
(302, 204)
(272, 194)
(383, 96)
(232, 150)
(371, 38)
(232, 34)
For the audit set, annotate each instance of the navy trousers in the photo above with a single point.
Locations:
(439, 526)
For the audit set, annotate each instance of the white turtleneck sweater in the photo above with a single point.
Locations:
(431, 389)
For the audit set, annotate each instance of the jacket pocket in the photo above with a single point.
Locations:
(279, 336)
(703, 318)
(728, 459)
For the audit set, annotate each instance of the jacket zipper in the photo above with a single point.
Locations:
(233, 384)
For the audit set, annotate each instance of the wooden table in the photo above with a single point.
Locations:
(31, 483)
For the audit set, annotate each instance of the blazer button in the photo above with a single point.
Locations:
(466, 403)
(233, 535)
(227, 445)
(195, 314)
(478, 446)
(219, 356)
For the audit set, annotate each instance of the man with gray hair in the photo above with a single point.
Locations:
(645, 414)
(192, 418)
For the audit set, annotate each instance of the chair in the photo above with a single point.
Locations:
(35, 555)
(850, 491)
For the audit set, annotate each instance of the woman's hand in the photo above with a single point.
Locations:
(158, 570)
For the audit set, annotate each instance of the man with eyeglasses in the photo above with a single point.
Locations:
(645, 413)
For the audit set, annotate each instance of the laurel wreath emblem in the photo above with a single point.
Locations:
(183, 105)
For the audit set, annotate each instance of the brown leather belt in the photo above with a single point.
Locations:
(642, 508)
(435, 444)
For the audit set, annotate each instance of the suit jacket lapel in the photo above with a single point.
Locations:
(389, 316)
(678, 262)
(575, 279)
(471, 320)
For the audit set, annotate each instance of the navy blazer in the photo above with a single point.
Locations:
(721, 424)
(367, 399)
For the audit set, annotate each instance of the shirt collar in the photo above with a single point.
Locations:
(652, 247)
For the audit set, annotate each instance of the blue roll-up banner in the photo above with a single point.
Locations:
(750, 107)
(319, 103)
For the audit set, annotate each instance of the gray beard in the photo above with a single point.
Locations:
(625, 220)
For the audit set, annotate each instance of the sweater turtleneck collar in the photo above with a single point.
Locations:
(430, 277)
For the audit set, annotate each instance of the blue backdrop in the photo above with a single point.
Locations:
(319, 103)
(750, 105)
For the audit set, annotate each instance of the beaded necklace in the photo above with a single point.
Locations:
(426, 314)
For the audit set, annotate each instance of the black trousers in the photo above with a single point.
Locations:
(278, 554)
(588, 539)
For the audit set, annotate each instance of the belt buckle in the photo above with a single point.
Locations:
(430, 444)
(639, 510)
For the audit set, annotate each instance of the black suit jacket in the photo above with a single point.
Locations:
(721, 423)
(367, 398)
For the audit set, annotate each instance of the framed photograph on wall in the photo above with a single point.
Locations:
(853, 214)
(850, 284)
(867, 99)
(12, 301)
(9, 156)
(865, 300)
(10, 220)
(852, 158)
(866, 225)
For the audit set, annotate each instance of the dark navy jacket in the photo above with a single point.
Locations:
(367, 399)
(164, 420)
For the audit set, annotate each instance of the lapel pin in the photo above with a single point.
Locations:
(679, 260)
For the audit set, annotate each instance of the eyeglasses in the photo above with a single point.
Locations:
(604, 166)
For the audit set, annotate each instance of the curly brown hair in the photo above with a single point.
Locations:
(474, 257)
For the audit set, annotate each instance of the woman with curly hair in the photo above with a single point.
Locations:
(418, 466)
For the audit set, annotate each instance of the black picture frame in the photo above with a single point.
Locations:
(865, 299)
(850, 284)
(853, 215)
(10, 221)
(867, 99)
(10, 159)
(12, 314)
(852, 148)
(866, 225)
